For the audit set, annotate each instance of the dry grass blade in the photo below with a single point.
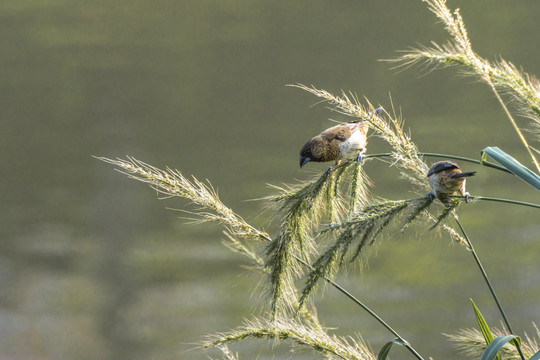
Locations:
(305, 337)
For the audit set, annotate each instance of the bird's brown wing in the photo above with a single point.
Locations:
(441, 166)
(339, 132)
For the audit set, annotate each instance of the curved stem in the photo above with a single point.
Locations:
(361, 304)
(367, 309)
(484, 274)
(508, 201)
(474, 161)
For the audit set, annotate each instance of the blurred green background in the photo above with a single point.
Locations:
(93, 266)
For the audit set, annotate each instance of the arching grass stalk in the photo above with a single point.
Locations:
(447, 156)
(302, 335)
(508, 201)
(490, 286)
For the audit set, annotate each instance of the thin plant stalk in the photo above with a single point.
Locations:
(508, 201)
(375, 316)
(447, 156)
(490, 286)
(514, 125)
(366, 308)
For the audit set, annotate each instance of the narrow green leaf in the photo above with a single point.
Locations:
(488, 335)
(486, 331)
(385, 350)
(492, 350)
(535, 356)
(512, 165)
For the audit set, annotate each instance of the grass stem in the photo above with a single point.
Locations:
(490, 286)
(367, 309)
(362, 305)
(508, 201)
(447, 156)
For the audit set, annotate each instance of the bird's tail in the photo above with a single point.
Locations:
(465, 174)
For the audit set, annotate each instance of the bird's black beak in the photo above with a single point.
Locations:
(304, 160)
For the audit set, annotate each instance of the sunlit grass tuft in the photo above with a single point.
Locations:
(502, 76)
(209, 207)
(471, 343)
(299, 209)
(303, 336)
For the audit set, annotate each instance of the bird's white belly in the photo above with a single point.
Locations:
(353, 145)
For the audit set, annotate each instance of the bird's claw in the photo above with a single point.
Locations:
(467, 197)
(431, 196)
(360, 159)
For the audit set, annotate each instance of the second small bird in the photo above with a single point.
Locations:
(446, 178)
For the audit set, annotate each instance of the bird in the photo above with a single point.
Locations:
(337, 143)
(445, 179)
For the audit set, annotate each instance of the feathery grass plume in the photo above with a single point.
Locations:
(300, 210)
(173, 183)
(239, 247)
(358, 188)
(363, 228)
(457, 238)
(522, 88)
(415, 209)
(472, 344)
(227, 354)
(447, 211)
(302, 336)
(325, 190)
(209, 207)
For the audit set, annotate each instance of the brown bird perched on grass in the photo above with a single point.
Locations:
(446, 178)
(336, 143)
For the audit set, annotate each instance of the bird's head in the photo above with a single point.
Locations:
(304, 160)
(311, 151)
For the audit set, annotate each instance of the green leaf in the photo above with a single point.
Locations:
(492, 350)
(488, 335)
(385, 350)
(512, 165)
(535, 356)
(486, 331)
